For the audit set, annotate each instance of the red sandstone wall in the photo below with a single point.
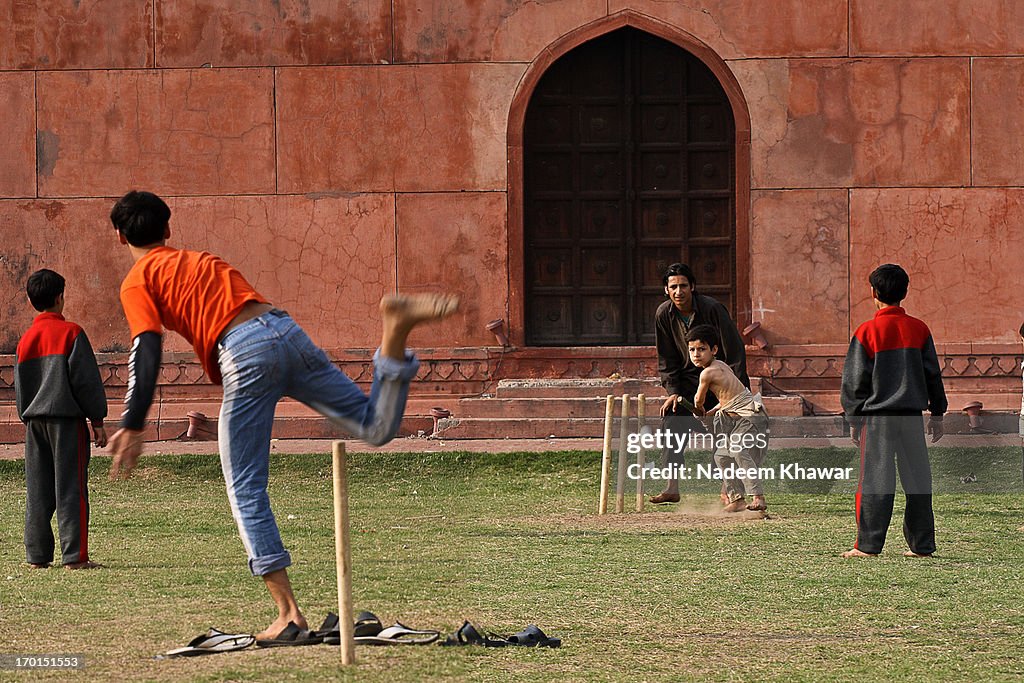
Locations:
(336, 151)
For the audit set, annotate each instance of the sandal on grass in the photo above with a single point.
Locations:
(532, 636)
(329, 628)
(469, 635)
(291, 636)
(367, 624)
(399, 634)
(212, 642)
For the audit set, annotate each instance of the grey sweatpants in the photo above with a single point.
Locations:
(56, 478)
(754, 429)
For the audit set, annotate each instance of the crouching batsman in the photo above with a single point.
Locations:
(891, 375)
(259, 355)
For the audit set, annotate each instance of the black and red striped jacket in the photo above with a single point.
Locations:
(892, 368)
(55, 372)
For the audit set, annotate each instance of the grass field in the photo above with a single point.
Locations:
(507, 540)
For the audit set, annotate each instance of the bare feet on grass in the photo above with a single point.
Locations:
(758, 504)
(857, 553)
(738, 505)
(665, 497)
(39, 565)
(911, 553)
(88, 564)
(274, 630)
(403, 312)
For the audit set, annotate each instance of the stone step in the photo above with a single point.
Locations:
(588, 407)
(576, 388)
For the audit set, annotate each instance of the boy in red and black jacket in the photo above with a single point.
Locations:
(891, 375)
(57, 386)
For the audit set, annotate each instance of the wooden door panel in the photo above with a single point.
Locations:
(661, 219)
(660, 123)
(602, 268)
(551, 319)
(552, 171)
(709, 171)
(552, 267)
(601, 124)
(659, 171)
(711, 265)
(601, 220)
(602, 318)
(552, 220)
(707, 123)
(552, 124)
(710, 218)
(601, 172)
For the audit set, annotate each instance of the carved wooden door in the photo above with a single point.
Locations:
(628, 152)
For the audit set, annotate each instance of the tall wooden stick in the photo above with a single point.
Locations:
(343, 555)
(606, 455)
(620, 483)
(641, 414)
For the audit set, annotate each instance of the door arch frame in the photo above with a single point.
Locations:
(517, 119)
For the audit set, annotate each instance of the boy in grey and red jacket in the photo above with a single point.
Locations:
(57, 386)
(891, 375)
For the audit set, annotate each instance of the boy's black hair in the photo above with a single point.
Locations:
(679, 269)
(890, 283)
(706, 334)
(1021, 330)
(141, 217)
(43, 287)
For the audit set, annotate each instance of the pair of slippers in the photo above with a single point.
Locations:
(369, 630)
(531, 636)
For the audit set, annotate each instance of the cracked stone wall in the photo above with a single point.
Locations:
(338, 151)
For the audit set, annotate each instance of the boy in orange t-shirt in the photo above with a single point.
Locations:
(259, 355)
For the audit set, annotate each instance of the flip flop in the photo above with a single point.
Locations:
(367, 624)
(291, 636)
(399, 634)
(329, 628)
(532, 636)
(212, 642)
(469, 635)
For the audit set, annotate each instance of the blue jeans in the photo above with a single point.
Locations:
(263, 360)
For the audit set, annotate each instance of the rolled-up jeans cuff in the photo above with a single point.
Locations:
(261, 566)
(389, 368)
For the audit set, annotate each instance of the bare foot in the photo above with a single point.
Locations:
(88, 564)
(274, 630)
(911, 553)
(758, 504)
(737, 505)
(39, 565)
(403, 312)
(409, 310)
(665, 497)
(857, 553)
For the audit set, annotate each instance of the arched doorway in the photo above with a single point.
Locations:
(629, 165)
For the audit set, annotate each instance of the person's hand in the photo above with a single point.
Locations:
(935, 427)
(669, 404)
(99, 436)
(125, 447)
(855, 431)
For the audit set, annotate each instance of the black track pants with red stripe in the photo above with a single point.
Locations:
(888, 443)
(56, 479)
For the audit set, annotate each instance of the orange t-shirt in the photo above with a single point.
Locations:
(195, 294)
